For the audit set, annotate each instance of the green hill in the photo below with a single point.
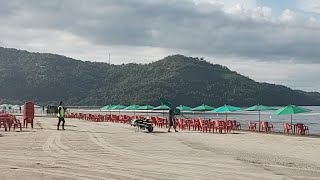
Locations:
(49, 78)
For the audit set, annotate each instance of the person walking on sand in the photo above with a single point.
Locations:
(172, 121)
(61, 115)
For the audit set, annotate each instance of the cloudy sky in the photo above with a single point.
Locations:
(274, 41)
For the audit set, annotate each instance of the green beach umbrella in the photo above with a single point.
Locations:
(162, 107)
(259, 108)
(203, 107)
(184, 108)
(146, 107)
(132, 107)
(226, 108)
(107, 107)
(118, 107)
(291, 109)
(167, 103)
(170, 105)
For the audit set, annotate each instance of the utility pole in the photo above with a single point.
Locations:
(109, 58)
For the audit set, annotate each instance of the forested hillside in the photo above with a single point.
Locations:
(49, 78)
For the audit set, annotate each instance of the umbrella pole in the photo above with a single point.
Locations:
(259, 121)
(291, 120)
(163, 114)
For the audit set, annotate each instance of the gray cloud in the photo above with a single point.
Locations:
(178, 24)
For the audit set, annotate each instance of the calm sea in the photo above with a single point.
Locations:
(310, 119)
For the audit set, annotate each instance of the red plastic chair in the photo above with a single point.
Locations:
(219, 126)
(236, 125)
(302, 129)
(287, 128)
(203, 125)
(252, 126)
(182, 124)
(229, 126)
(3, 122)
(211, 125)
(15, 123)
(159, 122)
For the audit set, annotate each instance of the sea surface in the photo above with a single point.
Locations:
(310, 119)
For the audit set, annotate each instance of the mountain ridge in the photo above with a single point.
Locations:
(48, 78)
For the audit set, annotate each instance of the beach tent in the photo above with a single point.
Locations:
(291, 109)
(259, 108)
(225, 109)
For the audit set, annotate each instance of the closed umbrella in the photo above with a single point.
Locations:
(291, 109)
(259, 108)
(170, 105)
(225, 109)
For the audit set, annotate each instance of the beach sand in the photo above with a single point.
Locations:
(90, 150)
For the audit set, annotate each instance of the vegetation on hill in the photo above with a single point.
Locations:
(49, 78)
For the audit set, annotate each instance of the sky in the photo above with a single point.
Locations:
(274, 41)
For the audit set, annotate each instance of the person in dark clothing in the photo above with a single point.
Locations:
(172, 121)
(20, 109)
(61, 115)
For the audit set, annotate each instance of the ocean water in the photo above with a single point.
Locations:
(310, 119)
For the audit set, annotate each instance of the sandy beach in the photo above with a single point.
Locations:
(91, 150)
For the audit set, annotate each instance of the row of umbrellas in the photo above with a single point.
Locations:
(288, 110)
